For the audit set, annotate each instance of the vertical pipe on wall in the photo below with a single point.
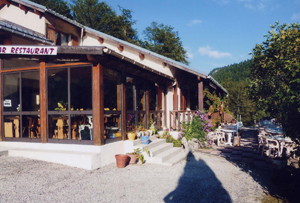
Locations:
(43, 101)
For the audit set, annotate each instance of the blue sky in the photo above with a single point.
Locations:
(215, 33)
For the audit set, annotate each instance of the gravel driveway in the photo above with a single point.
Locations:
(201, 178)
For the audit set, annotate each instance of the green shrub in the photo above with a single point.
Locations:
(198, 128)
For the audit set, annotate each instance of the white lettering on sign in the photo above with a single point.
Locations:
(28, 50)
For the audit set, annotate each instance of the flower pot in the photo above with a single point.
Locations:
(122, 160)
(133, 158)
(145, 139)
(131, 135)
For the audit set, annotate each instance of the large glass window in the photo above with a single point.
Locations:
(112, 104)
(21, 104)
(70, 103)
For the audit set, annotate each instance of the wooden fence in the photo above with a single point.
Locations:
(177, 117)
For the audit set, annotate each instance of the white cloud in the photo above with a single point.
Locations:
(222, 1)
(193, 22)
(189, 55)
(261, 6)
(295, 16)
(211, 53)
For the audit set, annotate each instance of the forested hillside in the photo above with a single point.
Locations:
(235, 72)
(235, 78)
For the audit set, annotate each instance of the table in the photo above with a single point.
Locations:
(229, 132)
(274, 131)
(281, 142)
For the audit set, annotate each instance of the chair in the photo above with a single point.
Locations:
(271, 146)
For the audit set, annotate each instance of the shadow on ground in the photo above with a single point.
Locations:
(194, 188)
(279, 185)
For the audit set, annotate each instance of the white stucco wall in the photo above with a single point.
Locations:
(91, 40)
(29, 20)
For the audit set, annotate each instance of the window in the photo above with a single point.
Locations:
(70, 103)
(21, 104)
(58, 37)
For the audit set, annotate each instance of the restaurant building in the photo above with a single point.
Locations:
(65, 86)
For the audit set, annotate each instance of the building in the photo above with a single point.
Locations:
(64, 85)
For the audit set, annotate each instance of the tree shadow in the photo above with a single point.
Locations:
(198, 186)
(282, 185)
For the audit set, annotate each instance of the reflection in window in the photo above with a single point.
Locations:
(81, 88)
(31, 126)
(58, 89)
(131, 123)
(140, 96)
(58, 126)
(11, 92)
(82, 127)
(112, 126)
(130, 94)
(12, 126)
(141, 121)
(30, 91)
(152, 96)
(112, 98)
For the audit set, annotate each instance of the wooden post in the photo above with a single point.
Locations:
(1, 130)
(43, 102)
(200, 94)
(175, 98)
(123, 107)
(98, 104)
(147, 106)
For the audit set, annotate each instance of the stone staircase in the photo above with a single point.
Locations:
(161, 152)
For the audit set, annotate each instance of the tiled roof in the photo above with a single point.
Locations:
(168, 60)
(15, 29)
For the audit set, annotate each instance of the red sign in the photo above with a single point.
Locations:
(28, 50)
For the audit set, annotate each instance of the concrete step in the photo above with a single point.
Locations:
(3, 151)
(176, 159)
(160, 148)
(85, 160)
(154, 143)
(165, 155)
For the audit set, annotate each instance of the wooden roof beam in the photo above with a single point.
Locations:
(23, 8)
(3, 3)
(38, 13)
(101, 40)
(121, 48)
(142, 56)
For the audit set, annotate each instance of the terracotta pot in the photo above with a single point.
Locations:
(122, 160)
(131, 135)
(133, 158)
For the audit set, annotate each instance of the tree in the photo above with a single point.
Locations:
(162, 39)
(58, 6)
(276, 76)
(101, 17)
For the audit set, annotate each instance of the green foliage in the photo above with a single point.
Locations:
(162, 39)
(141, 158)
(101, 17)
(176, 142)
(136, 151)
(58, 6)
(198, 129)
(275, 78)
(235, 79)
(211, 99)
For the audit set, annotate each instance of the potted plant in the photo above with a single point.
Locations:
(121, 160)
(134, 155)
(145, 137)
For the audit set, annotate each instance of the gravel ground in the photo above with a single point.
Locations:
(201, 178)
